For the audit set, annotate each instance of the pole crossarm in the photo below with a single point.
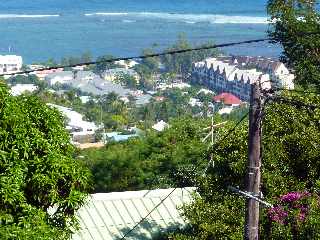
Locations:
(251, 196)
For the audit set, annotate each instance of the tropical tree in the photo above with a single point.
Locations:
(104, 64)
(152, 63)
(127, 80)
(182, 63)
(296, 26)
(41, 185)
(290, 170)
(151, 161)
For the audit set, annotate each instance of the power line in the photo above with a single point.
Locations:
(207, 47)
(295, 103)
(231, 131)
(297, 91)
(162, 201)
(143, 219)
(141, 56)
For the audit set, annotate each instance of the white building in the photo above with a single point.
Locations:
(23, 88)
(127, 64)
(279, 73)
(221, 76)
(160, 126)
(65, 77)
(10, 64)
(193, 102)
(164, 86)
(75, 123)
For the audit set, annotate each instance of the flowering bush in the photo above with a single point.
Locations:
(293, 207)
(296, 214)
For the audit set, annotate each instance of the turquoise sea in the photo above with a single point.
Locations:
(40, 29)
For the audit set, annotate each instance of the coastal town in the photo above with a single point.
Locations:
(159, 120)
(226, 79)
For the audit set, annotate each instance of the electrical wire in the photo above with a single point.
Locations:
(297, 91)
(295, 103)
(159, 55)
(231, 131)
(162, 201)
(143, 219)
(140, 57)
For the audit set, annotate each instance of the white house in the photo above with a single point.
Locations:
(22, 88)
(65, 77)
(160, 126)
(195, 102)
(127, 64)
(164, 86)
(75, 123)
(205, 91)
(10, 64)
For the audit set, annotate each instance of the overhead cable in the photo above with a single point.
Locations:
(207, 47)
(149, 213)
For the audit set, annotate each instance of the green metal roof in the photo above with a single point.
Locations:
(112, 215)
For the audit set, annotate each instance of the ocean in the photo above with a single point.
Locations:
(42, 29)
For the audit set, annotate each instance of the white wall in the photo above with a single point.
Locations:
(10, 63)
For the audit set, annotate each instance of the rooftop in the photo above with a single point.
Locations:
(227, 98)
(111, 215)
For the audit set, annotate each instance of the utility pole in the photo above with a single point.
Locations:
(212, 129)
(254, 163)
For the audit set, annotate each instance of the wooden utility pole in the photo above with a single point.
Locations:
(254, 163)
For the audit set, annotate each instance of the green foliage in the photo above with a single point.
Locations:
(146, 77)
(295, 23)
(152, 63)
(50, 63)
(103, 65)
(107, 109)
(84, 58)
(156, 160)
(41, 186)
(294, 217)
(291, 138)
(29, 79)
(174, 105)
(127, 80)
(182, 63)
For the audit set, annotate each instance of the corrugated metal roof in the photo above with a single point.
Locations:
(111, 215)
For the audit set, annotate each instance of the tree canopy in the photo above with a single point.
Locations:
(296, 26)
(289, 164)
(41, 185)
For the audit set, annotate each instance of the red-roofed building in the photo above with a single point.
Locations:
(227, 99)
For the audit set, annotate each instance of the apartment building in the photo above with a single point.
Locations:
(236, 75)
(10, 64)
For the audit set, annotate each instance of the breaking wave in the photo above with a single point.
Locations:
(128, 21)
(27, 15)
(106, 14)
(190, 18)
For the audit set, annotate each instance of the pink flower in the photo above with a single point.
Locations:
(278, 214)
(291, 197)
